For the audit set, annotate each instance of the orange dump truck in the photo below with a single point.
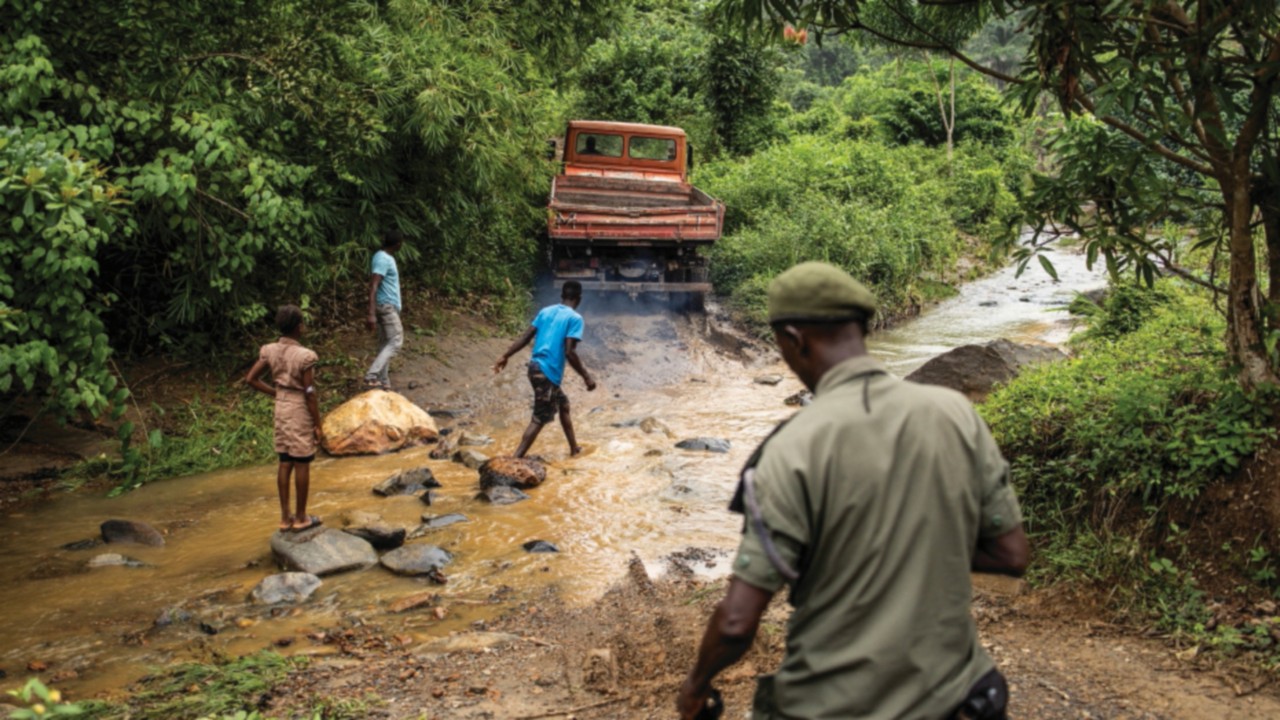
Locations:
(623, 216)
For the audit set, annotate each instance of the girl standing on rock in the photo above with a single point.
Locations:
(297, 415)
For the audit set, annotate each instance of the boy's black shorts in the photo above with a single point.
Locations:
(548, 398)
(287, 458)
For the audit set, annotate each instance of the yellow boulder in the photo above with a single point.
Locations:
(377, 422)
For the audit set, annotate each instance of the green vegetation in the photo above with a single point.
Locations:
(224, 689)
(1182, 97)
(895, 216)
(1113, 453)
(184, 167)
(664, 66)
(227, 689)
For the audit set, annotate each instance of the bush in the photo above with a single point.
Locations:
(1151, 416)
(904, 102)
(59, 213)
(888, 215)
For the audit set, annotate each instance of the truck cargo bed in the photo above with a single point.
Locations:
(609, 209)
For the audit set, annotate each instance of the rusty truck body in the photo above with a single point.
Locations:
(622, 215)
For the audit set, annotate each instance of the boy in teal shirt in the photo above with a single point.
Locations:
(555, 333)
(384, 310)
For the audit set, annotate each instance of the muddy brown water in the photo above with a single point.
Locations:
(631, 492)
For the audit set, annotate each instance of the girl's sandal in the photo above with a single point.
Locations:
(311, 520)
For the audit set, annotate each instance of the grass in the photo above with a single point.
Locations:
(230, 688)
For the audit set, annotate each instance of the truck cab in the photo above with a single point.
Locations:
(622, 216)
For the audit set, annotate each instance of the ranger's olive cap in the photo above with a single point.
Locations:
(817, 291)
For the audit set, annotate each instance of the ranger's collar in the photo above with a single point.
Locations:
(847, 370)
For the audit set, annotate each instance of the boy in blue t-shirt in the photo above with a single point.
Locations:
(555, 333)
(384, 310)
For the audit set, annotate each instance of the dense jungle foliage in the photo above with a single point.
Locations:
(170, 172)
(1114, 453)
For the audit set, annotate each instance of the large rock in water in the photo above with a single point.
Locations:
(416, 559)
(377, 422)
(290, 587)
(131, 531)
(975, 369)
(322, 551)
(520, 473)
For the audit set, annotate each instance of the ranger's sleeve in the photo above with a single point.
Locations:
(999, 510)
(779, 493)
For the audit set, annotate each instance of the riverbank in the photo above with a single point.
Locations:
(624, 655)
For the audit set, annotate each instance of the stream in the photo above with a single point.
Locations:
(631, 492)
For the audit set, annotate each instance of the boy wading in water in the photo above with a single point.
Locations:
(297, 416)
(555, 333)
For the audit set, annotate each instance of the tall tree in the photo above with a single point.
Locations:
(1191, 87)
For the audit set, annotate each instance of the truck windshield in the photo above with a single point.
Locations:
(652, 148)
(596, 144)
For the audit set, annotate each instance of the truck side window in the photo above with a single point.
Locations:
(651, 148)
(595, 144)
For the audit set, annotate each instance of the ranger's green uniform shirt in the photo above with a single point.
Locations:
(877, 493)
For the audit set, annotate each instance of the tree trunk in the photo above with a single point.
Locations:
(1269, 204)
(1245, 327)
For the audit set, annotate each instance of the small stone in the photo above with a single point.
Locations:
(428, 497)
(988, 303)
(502, 495)
(708, 444)
(171, 615)
(114, 560)
(416, 559)
(37, 666)
(800, 399)
(540, 546)
(413, 385)
(131, 531)
(523, 473)
(412, 602)
(470, 458)
(82, 544)
(407, 482)
(470, 438)
(768, 380)
(283, 642)
(208, 629)
(290, 587)
(380, 535)
(435, 522)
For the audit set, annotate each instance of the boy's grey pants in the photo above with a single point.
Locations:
(390, 338)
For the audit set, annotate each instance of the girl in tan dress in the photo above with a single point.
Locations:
(297, 416)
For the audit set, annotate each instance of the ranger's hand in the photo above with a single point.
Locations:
(691, 701)
(500, 365)
(371, 322)
(591, 384)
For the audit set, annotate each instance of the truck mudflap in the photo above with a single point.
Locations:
(640, 287)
